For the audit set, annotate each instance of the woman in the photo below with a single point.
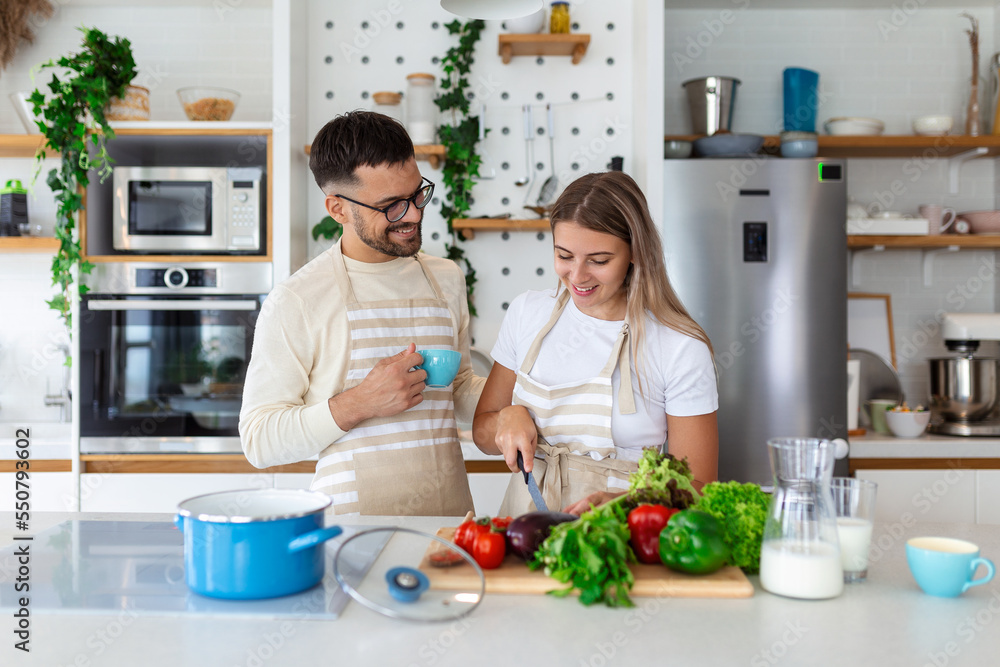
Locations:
(609, 362)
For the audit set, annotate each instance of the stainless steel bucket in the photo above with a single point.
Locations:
(962, 388)
(711, 100)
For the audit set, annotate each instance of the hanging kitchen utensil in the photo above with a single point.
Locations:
(551, 183)
(486, 169)
(526, 117)
(397, 585)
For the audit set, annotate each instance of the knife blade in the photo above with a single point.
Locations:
(529, 479)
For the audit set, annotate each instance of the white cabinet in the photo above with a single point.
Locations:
(988, 496)
(154, 492)
(50, 491)
(925, 495)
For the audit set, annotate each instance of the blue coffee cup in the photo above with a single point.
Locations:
(800, 99)
(441, 366)
(946, 567)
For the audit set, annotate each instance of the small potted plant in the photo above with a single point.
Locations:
(70, 112)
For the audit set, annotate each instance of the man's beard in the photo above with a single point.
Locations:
(383, 243)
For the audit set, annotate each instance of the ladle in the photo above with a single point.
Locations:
(528, 138)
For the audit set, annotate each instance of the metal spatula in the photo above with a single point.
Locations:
(551, 184)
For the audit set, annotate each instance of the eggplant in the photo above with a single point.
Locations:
(527, 532)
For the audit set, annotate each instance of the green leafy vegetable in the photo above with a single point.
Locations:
(656, 469)
(591, 554)
(742, 508)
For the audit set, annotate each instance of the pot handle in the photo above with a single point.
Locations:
(179, 522)
(313, 537)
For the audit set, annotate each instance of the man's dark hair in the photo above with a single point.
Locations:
(355, 139)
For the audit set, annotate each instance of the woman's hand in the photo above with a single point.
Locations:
(597, 498)
(516, 431)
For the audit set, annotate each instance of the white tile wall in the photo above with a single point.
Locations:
(30, 333)
(224, 44)
(872, 62)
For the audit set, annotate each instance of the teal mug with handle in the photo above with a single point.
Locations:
(441, 366)
(946, 567)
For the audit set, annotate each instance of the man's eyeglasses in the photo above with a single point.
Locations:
(397, 209)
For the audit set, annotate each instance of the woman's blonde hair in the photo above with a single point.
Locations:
(612, 203)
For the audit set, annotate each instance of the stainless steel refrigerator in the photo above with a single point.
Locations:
(756, 249)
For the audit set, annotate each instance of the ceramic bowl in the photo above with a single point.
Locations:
(728, 145)
(799, 144)
(907, 424)
(852, 125)
(677, 149)
(527, 24)
(932, 126)
(981, 222)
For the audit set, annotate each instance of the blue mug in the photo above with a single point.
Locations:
(441, 366)
(800, 99)
(946, 567)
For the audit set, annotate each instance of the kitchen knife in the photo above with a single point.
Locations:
(529, 479)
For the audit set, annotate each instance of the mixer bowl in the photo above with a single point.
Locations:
(963, 389)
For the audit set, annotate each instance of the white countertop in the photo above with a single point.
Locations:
(47, 440)
(877, 446)
(885, 621)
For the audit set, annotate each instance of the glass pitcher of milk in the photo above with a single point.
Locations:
(800, 554)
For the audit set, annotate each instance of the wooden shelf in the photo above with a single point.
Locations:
(22, 145)
(933, 241)
(540, 44)
(887, 146)
(28, 244)
(468, 227)
(433, 153)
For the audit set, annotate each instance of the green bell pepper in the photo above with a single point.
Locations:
(693, 542)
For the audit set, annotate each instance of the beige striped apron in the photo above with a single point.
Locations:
(573, 421)
(410, 463)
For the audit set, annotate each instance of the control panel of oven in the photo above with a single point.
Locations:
(176, 277)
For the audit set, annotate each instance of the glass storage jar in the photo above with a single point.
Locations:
(559, 18)
(388, 103)
(421, 113)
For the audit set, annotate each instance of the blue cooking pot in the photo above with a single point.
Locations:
(254, 543)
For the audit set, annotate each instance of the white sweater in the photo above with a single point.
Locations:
(300, 358)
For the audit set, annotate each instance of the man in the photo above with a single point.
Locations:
(331, 373)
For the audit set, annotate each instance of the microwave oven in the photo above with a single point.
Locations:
(188, 210)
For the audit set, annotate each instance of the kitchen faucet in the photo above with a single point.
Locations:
(64, 398)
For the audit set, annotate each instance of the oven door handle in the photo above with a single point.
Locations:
(156, 304)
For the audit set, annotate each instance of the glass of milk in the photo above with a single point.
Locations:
(854, 500)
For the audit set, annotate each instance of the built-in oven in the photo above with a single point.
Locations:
(164, 350)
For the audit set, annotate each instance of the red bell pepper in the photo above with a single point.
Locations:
(644, 525)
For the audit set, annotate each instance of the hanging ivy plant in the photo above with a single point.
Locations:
(459, 137)
(73, 110)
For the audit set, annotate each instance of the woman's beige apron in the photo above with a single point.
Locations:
(573, 422)
(410, 463)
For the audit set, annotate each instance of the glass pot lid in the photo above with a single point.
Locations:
(416, 576)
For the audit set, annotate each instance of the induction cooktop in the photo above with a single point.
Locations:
(137, 568)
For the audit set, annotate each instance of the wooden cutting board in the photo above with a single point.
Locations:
(514, 577)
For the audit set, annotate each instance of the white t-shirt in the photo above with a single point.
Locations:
(678, 376)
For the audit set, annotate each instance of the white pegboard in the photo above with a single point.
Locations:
(356, 49)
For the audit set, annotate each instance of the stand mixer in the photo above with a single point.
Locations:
(964, 388)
